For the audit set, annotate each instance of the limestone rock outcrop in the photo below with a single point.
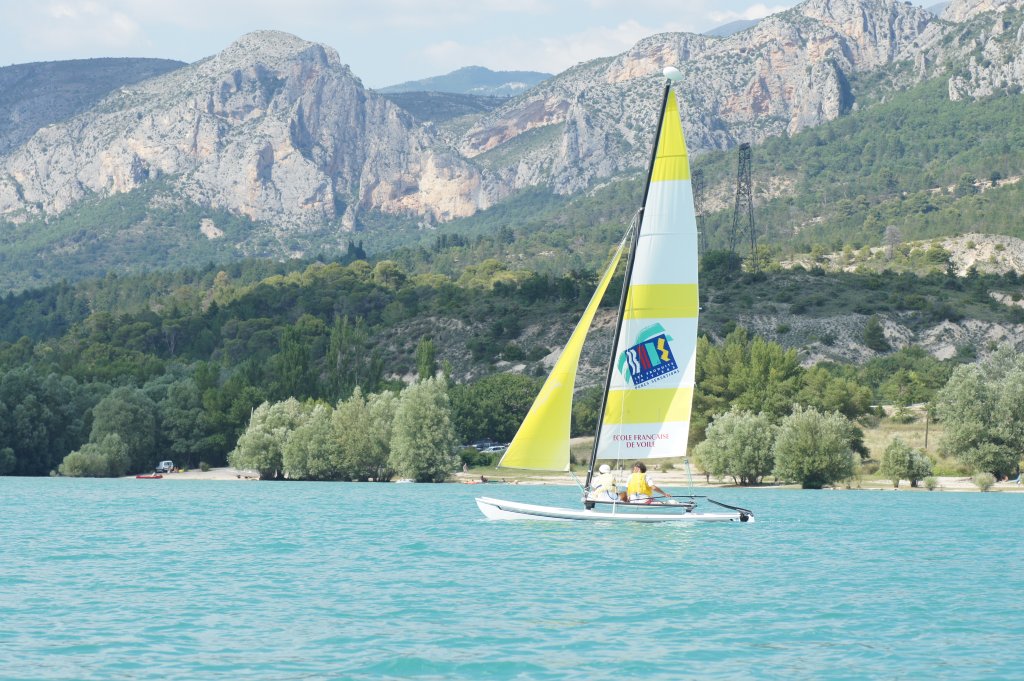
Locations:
(274, 128)
(789, 72)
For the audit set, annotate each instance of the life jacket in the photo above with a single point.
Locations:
(604, 485)
(637, 486)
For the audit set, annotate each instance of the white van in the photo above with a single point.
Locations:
(164, 467)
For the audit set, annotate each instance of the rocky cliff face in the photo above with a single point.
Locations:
(273, 127)
(787, 73)
(33, 96)
(277, 129)
(992, 47)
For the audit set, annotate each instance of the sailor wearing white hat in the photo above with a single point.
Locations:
(603, 487)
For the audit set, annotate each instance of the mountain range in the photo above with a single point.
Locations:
(473, 80)
(275, 147)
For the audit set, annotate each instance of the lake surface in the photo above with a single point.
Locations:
(158, 579)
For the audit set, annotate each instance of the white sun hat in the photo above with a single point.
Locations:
(605, 468)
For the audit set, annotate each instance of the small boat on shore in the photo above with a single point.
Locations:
(154, 476)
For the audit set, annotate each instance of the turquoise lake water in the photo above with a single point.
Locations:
(149, 579)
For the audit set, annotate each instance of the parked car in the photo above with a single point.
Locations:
(164, 467)
(495, 449)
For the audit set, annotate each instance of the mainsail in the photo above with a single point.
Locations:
(646, 412)
(650, 386)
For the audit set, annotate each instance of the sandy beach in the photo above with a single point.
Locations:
(212, 474)
(675, 478)
(679, 478)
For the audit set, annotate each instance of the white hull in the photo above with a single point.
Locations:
(498, 509)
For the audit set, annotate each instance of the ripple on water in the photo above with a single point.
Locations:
(106, 579)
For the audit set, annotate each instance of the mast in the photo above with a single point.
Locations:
(672, 74)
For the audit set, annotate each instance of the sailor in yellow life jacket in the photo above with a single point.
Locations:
(640, 488)
(603, 487)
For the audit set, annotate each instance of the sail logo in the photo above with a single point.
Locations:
(648, 360)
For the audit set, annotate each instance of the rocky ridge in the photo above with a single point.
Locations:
(33, 96)
(279, 130)
(984, 253)
(787, 73)
(273, 127)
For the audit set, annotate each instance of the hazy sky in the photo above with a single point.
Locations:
(384, 41)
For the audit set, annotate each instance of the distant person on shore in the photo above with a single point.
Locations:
(640, 487)
(603, 487)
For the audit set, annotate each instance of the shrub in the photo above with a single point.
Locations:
(984, 481)
(930, 483)
(738, 444)
(203, 466)
(901, 462)
(105, 459)
(474, 458)
(813, 448)
(903, 415)
(983, 413)
(874, 335)
(950, 468)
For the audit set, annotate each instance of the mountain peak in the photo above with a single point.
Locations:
(270, 47)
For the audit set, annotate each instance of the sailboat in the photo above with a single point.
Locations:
(649, 386)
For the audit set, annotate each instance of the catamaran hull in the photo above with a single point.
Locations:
(497, 509)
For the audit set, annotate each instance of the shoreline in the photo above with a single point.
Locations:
(673, 478)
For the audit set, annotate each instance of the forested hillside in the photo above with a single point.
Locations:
(199, 350)
(919, 162)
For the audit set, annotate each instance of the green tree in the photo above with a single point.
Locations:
(291, 368)
(966, 185)
(351, 360)
(362, 436)
(492, 407)
(8, 462)
(874, 335)
(751, 374)
(42, 418)
(261, 446)
(900, 461)
(426, 359)
(130, 414)
(312, 451)
(738, 444)
(820, 388)
(423, 439)
(108, 458)
(585, 405)
(383, 407)
(813, 448)
(718, 267)
(982, 410)
(183, 423)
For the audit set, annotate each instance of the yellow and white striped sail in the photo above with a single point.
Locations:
(647, 409)
(542, 442)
